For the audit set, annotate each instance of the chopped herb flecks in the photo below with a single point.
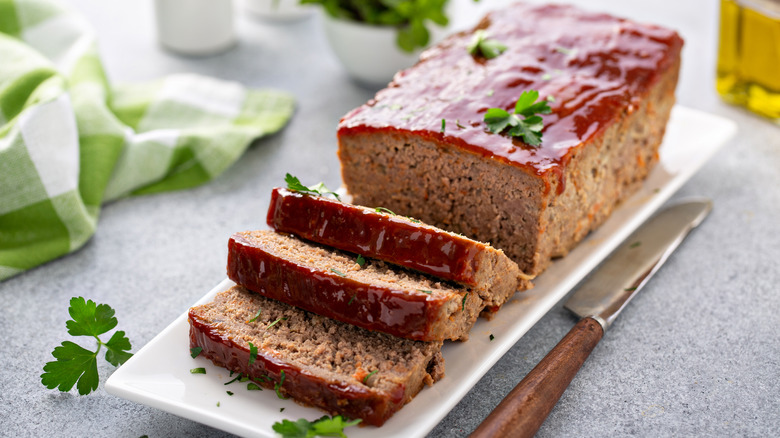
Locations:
(195, 351)
(229, 392)
(492, 337)
(443, 125)
(365, 379)
(565, 51)
(383, 210)
(425, 291)
(274, 323)
(635, 244)
(251, 386)
(351, 300)
(339, 273)
(278, 386)
(252, 353)
(463, 305)
(361, 261)
(238, 377)
(198, 371)
(257, 315)
(630, 289)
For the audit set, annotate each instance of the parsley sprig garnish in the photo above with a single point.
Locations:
(75, 365)
(293, 183)
(481, 45)
(530, 127)
(324, 426)
(384, 210)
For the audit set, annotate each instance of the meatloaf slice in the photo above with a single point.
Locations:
(337, 367)
(407, 242)
(375, 296)
(421, 147)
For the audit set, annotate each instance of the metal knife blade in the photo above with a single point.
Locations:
(612, 285)
(598, 301)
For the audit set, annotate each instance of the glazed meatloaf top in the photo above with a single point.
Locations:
(407, 242)
(338, 367)
(591, 67)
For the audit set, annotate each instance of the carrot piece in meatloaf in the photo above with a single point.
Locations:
(337, 367)
(329, 282)
(421, 146)
(381, 234)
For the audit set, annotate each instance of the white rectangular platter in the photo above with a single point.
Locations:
(159, 374)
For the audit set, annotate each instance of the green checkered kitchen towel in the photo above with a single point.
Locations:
(69, 141)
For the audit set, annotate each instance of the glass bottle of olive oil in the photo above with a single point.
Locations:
(749, 55)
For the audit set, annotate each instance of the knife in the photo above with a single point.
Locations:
(598, 301)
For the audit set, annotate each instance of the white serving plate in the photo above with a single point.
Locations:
(159, 374)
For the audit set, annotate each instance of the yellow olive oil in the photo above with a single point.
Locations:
(749, 55)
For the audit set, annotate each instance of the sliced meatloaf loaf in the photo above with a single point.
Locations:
(407, 242)
(337, 367)
(421, 147)
(375, 296)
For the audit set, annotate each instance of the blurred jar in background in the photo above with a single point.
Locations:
(749, 55)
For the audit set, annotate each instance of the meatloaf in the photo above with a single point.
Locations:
(374, 296)
(319, 362)
(403, 241)
(422, 149)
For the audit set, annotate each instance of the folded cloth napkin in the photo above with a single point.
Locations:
(70, 141)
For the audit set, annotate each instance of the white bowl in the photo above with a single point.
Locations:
(369, 53)
(279, 10)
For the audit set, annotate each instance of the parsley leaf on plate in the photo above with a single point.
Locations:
(293, 183)
(75, 365)
(529, 128)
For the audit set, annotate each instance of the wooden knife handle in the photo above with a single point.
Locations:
(522, 412)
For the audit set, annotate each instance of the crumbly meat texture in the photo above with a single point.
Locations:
(337, 367)
(407, 242)
(376, 296)
(533, 203)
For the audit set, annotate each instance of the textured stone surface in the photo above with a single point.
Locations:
(695, 354)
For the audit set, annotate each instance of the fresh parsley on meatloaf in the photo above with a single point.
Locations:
(422, 149)
(329, 282)
(378, 233)
(319, 362)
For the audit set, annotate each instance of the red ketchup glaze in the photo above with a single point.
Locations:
(375, 235)
(332, 395)
(392, 311)
(595, 66)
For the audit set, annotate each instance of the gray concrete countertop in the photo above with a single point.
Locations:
(697, 353)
